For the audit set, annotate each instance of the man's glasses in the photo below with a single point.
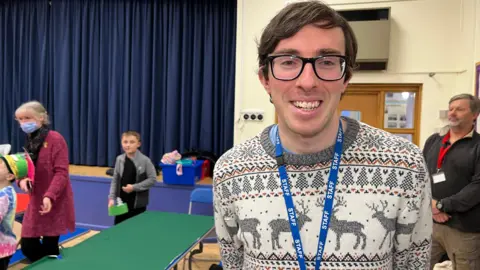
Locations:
(289, 67)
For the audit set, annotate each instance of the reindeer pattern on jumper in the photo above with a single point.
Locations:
(375, 221)
(378, 220)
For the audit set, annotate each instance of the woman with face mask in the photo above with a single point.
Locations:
(50, 212)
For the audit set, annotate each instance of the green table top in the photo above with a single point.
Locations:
(148, 241)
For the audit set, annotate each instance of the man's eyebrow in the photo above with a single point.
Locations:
(328, 51)
(325, 51)
(286, 51)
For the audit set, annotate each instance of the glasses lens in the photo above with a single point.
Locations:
(330, 67)
(286, 67)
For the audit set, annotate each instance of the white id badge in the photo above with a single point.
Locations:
(439, 177)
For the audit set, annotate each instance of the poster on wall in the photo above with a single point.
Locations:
(477, 93)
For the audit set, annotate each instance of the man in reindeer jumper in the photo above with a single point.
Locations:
(319, 190)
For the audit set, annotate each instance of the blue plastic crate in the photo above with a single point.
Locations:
(191, 174)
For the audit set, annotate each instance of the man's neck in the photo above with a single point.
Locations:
(307, 145)
(456, 133)
(131, 155)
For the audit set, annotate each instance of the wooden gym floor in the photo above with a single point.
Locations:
(210, 251)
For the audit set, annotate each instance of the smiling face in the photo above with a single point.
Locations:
(306, 105)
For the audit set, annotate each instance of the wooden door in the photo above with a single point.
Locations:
(362, 106)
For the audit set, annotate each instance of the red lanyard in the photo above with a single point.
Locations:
(443, 150)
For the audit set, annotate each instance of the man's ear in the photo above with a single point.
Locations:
(345, 85)
(10, 177)
(264, 80)
(344, 89)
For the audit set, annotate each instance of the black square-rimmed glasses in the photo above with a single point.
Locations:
(287, 67)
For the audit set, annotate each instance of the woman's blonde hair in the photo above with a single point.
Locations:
(35, 107)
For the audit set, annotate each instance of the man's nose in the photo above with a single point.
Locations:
(307, 79)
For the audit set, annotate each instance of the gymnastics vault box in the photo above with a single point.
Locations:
(190, 173)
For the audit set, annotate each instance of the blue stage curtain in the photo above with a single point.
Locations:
(163, 68)
(23, 63)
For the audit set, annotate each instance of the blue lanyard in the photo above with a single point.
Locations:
(327, 210)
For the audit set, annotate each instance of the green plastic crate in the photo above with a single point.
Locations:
(118, 209)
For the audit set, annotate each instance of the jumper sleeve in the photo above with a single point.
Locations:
(60, 165)
(414, 225)
(467, 197)
(151, 177)
(4, 202)
(226, 225)
(115, 180)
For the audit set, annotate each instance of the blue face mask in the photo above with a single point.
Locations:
(29, 127)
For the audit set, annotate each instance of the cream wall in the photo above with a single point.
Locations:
(427, 36)
(477, 32)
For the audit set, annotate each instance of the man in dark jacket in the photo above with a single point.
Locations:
(453, 159)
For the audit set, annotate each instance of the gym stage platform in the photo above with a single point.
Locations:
(91, 186)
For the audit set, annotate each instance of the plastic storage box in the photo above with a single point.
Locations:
(190, 173)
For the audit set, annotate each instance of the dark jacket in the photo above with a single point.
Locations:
(460, 193)
(146, 178)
